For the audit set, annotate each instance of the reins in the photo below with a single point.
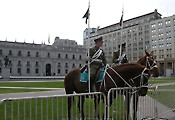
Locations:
(142, 75)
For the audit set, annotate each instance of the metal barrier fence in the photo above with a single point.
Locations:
(159, 103)
(118, 109)
(50, 107)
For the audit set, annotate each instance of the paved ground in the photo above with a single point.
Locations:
(33, 94)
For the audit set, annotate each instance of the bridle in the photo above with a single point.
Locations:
(142, 75)
(148, 62)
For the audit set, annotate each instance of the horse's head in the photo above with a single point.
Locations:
(149, 61)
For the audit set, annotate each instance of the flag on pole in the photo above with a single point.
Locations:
(86, 15)
(121, 20)
(48, 39)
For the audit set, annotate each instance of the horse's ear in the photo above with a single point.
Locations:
(147, 54)
(152, 52)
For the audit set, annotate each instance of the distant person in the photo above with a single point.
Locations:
(120, 59)
(6, 59)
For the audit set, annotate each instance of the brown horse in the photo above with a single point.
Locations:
(126, 75)
(149, 61)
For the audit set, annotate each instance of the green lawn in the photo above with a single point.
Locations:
(59, 84)
(161, 80)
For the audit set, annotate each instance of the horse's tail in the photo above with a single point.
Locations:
(69, 80)
(68, 84)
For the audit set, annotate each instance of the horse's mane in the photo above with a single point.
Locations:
(143, 57)
(129, 65)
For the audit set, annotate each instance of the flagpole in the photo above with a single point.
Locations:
(89, 81)
(121, 35)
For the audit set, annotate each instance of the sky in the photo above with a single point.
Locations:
(37, 20)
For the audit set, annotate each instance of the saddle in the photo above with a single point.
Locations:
(99, 76)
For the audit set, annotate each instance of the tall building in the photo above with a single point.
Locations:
(148, 32)
(29, 59)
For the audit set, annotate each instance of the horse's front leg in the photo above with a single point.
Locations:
(135, 105)
(80, 106)
(127, 100)
(70, 100)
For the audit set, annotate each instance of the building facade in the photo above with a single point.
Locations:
(148, 32)
(29, 59)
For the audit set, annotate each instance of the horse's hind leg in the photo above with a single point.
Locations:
(96, 102)
(70, 101)
(80, 106)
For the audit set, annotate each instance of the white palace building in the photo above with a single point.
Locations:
(30, 59)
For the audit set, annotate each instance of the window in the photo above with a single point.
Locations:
(19, 71)
(59, 71)
(167, 22)
(160, 23)
(0, 62)
(19, 53)
(66, 56)
(73, 65)
(19, 64)
(161, 40)
(73, 57)
(66, 65)
(154, 41)
(168, 44)
(154, 46)
(10, 63)
(168, 33)
(37, 71)
(59, 55)
(37, 54)
(80, 57)
(28, 70)
(37, 64)
(161, 45)
(161, 29)
(0, 52)
(168, 27)
(59, 65)
(48, 55)
(66, 71)
(28, 54)
(28, 64)
(153, 25)
(10, 52)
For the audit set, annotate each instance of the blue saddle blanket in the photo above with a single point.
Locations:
(84, 76)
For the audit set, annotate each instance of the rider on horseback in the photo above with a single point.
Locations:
(119, 57)
(97, 61)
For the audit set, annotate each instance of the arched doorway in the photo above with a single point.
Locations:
(48, 70)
